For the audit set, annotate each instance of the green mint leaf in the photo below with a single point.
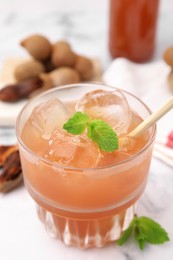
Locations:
(139, 238)
(97, 130)
(126, 234)
(145, 230)
(77, 124)
(150, 231)
(101, 133)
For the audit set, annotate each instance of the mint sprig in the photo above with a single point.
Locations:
(101, 133)
(145, 230)
(97, 130)
(77, 123)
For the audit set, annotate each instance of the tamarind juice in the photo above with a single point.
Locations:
(85, 197)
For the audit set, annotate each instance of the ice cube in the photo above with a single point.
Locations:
(47, 116)
(60, 148)
(110, 106)
(87, 153)
(71, 150)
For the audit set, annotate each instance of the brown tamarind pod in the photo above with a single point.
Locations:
(38, 46)
(62, 55)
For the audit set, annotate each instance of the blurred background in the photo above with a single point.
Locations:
(84, 23)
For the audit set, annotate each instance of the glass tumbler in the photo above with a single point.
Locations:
(84, 207)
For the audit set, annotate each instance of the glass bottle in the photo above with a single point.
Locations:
(132, 29)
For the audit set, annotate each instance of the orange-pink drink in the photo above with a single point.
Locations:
(85, 196)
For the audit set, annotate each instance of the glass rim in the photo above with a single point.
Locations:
(71, 168)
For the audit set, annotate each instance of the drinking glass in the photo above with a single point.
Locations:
(84, 207)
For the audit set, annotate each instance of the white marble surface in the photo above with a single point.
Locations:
(84, 24)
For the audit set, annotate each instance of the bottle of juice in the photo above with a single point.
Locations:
(132, 29)
(85, 196)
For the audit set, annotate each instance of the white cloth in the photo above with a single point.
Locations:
(149, 82)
